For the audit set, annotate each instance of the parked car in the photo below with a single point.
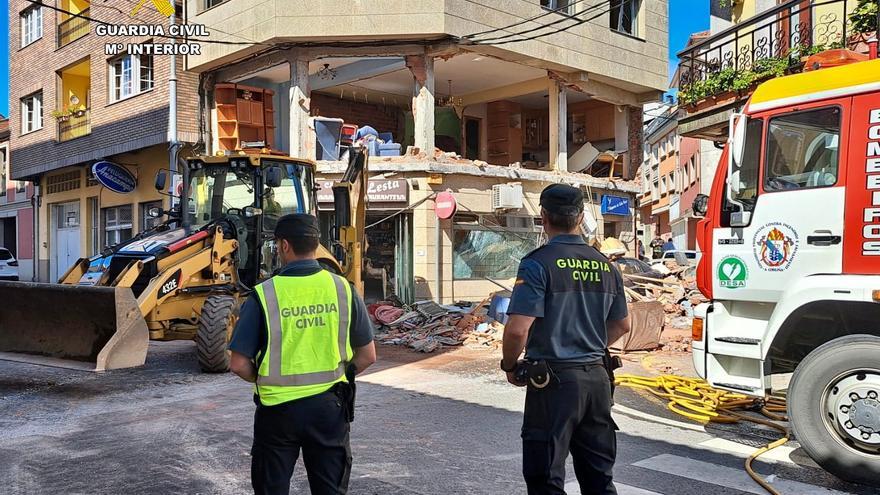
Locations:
(693, 257)
(8, 265)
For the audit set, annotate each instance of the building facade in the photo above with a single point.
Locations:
(460, 101)
(72, 104)
(16, 212)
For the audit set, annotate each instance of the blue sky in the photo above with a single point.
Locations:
(685, 17)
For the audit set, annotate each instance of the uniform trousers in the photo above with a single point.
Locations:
(572, 414)
(315, 425)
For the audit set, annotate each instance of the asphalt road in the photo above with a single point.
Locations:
(440, 424)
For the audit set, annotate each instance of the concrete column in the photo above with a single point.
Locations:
(422, 68)
(635, 141)
(298, 115)
(558, 126)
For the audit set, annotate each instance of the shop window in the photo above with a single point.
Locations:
(68, 181)
(31, 25)
(94, 246)
(148, 222)
(32, 112)
(482, 251)
(803, 150)
(130, 75)
(117, 225)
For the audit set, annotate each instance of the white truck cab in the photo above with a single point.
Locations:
(791, 260)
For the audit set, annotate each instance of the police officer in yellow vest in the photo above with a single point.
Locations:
(296, 337)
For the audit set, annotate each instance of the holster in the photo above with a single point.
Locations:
(348, 391)
(536, 374)
(611, 363)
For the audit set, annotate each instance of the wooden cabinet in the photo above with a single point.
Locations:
(245, 116)
(536, 132)
(505, 138)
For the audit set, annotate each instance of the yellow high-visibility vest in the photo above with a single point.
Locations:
(308, 321)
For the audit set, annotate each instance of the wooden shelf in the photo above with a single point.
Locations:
(244, 113)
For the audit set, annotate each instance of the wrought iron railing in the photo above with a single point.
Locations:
(770, 44)
(74, 126)
(73, 28)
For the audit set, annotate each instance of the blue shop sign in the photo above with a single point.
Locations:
(615, 205)
(114, 177)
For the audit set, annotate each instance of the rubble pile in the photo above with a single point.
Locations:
(677, 291)
(427, 326)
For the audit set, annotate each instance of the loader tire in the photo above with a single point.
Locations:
(219, 314)
(833, 400)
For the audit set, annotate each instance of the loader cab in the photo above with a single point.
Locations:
(247, 194)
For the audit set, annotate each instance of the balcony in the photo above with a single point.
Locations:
(717, 74)
(73, 125)
(72, 28)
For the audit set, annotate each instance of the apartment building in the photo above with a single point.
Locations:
(73, 105)
(16, 213)
(514, 94)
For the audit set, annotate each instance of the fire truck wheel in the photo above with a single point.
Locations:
(834, 407)
(219, 314)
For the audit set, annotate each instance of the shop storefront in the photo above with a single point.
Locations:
(473, 250)
(388, 267)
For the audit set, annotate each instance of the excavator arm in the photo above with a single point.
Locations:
(350, 203)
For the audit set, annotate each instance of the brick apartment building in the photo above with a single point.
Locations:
(16, 213)
(72, 105)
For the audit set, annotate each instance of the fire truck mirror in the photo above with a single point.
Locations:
(701, 204)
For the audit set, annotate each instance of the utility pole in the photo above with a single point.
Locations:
(173, 143)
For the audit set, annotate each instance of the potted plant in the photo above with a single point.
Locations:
(61, 115)
(863, 25)
(79, 111)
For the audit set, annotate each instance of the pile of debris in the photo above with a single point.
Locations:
(677, 291)
(427, 326)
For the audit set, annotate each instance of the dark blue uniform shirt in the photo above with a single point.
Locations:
(572, 290)
(249, 337)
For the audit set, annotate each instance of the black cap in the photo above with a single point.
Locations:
(562, 199)
(297, 225)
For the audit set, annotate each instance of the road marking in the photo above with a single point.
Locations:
(572, 488)
(727, 477)
(779, 454)
(657, 419)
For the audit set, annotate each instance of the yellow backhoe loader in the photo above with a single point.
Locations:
(185, 278)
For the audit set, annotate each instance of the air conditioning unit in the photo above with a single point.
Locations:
(507, 196)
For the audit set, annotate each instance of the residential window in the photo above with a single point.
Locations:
(624, 16)
(130, 75)
(117, 225)
(562, 6)
(2, 172)
(31, 25)
(213, 3)
(148, 222)
(803, 150)
(32, 113)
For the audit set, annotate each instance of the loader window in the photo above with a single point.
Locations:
(803, 150)
(293, 196)
(214, 190)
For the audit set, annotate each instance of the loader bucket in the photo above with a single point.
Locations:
(91, 328)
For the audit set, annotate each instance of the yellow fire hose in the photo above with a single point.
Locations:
(696, 400)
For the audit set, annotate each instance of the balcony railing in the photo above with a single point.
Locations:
(74, 126)
(73, 28)
(731, 63)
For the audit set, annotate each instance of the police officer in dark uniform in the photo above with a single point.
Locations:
(302, 336)
(567, 305)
